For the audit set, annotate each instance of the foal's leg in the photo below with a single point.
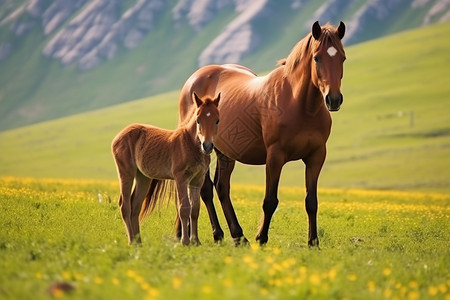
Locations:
(126, 171)
(126, 184)
(194, 199)
(274, 164)
(314, 163)
(207, 194)
(184, 208)
(222, 178)
(140, 191)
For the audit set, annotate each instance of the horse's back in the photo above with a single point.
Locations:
(209, 81)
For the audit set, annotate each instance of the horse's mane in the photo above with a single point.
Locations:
(306, 46)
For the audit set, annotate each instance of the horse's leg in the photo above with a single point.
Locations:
(274, 164)
(184, 208)
(207, 194)
(222, 178)
(314, 163)
(194, 200)
(140, 191)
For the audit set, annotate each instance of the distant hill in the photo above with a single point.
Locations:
(392, 132)
(63, 57)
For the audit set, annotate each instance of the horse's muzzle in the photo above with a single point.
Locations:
(207, 147)
(334, 103)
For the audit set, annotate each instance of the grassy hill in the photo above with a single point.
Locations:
(34, 88)
(393, 131)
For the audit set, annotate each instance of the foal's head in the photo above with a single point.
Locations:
(207, 121)
(328, 58)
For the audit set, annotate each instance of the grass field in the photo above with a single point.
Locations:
(383, 216)
(374, 245)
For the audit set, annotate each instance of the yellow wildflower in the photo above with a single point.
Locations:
(228, 260)
(351, 277)
(176, 282)
(206, 289)
(432, 290)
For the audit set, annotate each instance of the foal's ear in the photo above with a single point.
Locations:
(198, 101)
(216, 101)
(316, 30)
(341, 30)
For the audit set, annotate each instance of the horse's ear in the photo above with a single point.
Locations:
(198, 101)
(341, 30)
(316, 30)
(216, 101)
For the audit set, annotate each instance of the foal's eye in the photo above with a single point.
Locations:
(198, 122)
(316, 59)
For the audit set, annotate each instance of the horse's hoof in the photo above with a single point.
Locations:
(314, 243)
(262, 239)
(218, 236)
(240, 241)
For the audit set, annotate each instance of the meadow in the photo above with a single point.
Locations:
(374, 245)
(384, 198)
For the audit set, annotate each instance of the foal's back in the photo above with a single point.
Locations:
(148, 148)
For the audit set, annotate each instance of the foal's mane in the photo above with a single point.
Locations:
(308, 45)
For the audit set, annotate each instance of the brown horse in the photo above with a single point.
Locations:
(149, 155)
(283, 116)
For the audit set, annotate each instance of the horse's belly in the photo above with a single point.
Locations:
(242, 143)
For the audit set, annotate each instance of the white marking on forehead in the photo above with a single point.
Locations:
(331, 51)
(208, 114)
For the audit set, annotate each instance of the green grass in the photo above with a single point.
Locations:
(374, 245)
(372, 144)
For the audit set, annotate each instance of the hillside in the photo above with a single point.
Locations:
(392, 131)
(59, 58)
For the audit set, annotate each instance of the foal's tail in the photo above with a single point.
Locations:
(159, 190)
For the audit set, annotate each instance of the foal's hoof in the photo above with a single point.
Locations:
(195, 242)
(240, 241)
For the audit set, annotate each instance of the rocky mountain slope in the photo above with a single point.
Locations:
(89, 38)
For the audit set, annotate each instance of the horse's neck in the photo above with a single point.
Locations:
(304, 92)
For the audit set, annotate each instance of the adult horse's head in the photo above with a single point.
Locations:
(320, 56)
(328, 58)
(207, 119)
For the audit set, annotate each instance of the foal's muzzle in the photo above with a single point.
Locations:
(334, 103)
(207, 147)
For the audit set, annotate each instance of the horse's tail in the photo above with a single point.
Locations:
(159, 190)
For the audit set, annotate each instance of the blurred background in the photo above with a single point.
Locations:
(73, 73)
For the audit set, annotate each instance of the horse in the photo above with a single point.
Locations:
(150, 156)
(273, 119)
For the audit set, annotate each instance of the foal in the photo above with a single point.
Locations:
(149, 155)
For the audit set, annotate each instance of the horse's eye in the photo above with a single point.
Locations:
(198, 121)
(344, 59)
(316, 59)
(217, 122)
